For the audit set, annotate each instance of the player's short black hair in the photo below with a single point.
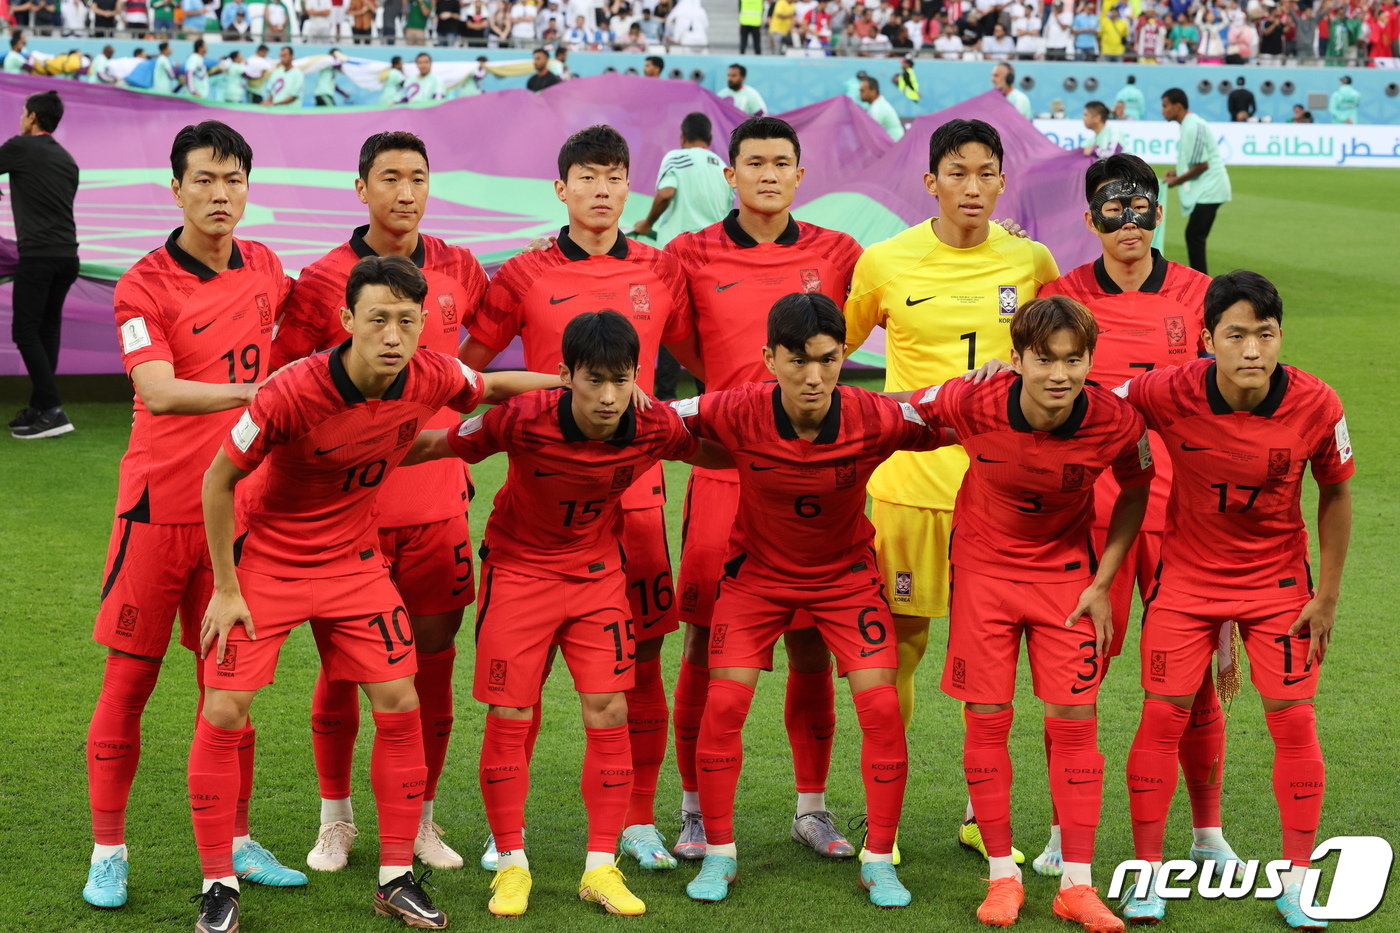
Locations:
(389, 142)
(1242, 285)
(1098, 108)
(1121, 166)
(603, 341)
(1175, 95)
(226, 142)
(397, 273)
(743, 72)
(696, 128)
(953, 135)
(600, 144)
(763, 128)
(658, 61)
(797, 318)
(47, 108)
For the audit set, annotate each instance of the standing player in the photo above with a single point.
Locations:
(593, 266)
(422, 514)
(1148, 310)
(804, 449)
(1241, 430)
(734, 268)
(944, 291)
(194, 318)
(330, 430)
(553, 574)
(1024, 561)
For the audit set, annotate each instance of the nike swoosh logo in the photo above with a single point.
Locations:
(441, 734)
(228, 920)
(543, 473)
(110, 757)
(911, 301)
(720, 288)
(199, 330)
(867, 652)
(210, 807)
(687, 738)
(648, 623)
(622, 670)
(322, 453)
(880, 780)
(758, 469)
(982, 459)
(396, 660)
(1290, 681)
(618, 784)
(640, 731)
(1091, 781)
(1186, 446)
(499, 780)
(426, 915)
(417, 795)
(1306, 796)
(980, 781)
(1144, 790)
(560, 301)
(824, 738)
(1076, 688)
(459, 590)
(1201, 725)
(323, 731)
(725, 768)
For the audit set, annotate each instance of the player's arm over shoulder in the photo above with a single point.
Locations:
(865, 305)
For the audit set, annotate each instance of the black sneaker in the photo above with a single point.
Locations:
(218, 910)
(50, 423)
(405, 899)
(23, 417)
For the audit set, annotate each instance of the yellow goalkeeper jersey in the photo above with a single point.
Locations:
(945, 311)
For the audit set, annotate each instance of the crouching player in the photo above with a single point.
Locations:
(552, 574)
(804, 449)
(1241, 429)
(1024, 563)
(330, 429)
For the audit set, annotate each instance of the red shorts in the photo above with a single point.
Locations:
(986, 618)
(1139, 567)
(650, 592)
(155, 573)
(854, 621)
(710, 507)
(519, 616)
(431, 565)
(1181, 630)
(361, 627)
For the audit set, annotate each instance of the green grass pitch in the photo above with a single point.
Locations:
(1324, 235)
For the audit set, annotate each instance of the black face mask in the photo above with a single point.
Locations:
(1124, 193)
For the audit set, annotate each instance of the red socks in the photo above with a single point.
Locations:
(1300, 778)
(1076, 783)
(335, 723)
(1152, 774)
(213, 785)
(647, 720)
(245, 779)
(719, 755)
(1202, 755)
(434, 686)
(809, 711)
(884, 763)
(399, 779)
(606, 784)
(987, 767)
(504, 773)
(687, 709)
(114, 743)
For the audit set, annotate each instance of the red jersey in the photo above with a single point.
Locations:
(557, 514)
(801, 516)
(1026, 505)
(310, 321)
(1158, 325)
(536, 294)
(310, 510)
(1235, 526)
(211, 327)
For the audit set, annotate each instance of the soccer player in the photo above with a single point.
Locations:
(327, 432)
(1024, 561)
(1241, 430)
(593, 266)
(800, 541)
(1149, 312)
(756, 255)
(194, 318)
(945, 291)
(553, 574)
(422, 514)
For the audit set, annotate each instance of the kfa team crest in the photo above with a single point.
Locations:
(447, 305)
(811, 280)
(641, 301)
(1006, 302)
(264, 310)
(903, 585)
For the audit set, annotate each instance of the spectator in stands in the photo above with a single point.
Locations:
(163, 16)
(1240, 104)
(196, 16)
(576, 38)
(476, 25)
(276, 19)
(448, 14)
(501, 25)
(1343, 103)
(361, 13)
(1113, 34)
(818, 23)
(1271, 37)
(780, 19)
(1241, 40)
(1004, 80)
(949, 45)
(651, 26)
(880, 109)
(1058, 33)
(1086, 32)
(998, 47)
(1211, 50)
(389, 23)
(543, 78)
(317, 27)
(135, 14)
(688, 26)
(635, 42)
(1149, 37)
(415, 24)
(1025, 31)
(228, 11)
(740, 94)
(1183, 38)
